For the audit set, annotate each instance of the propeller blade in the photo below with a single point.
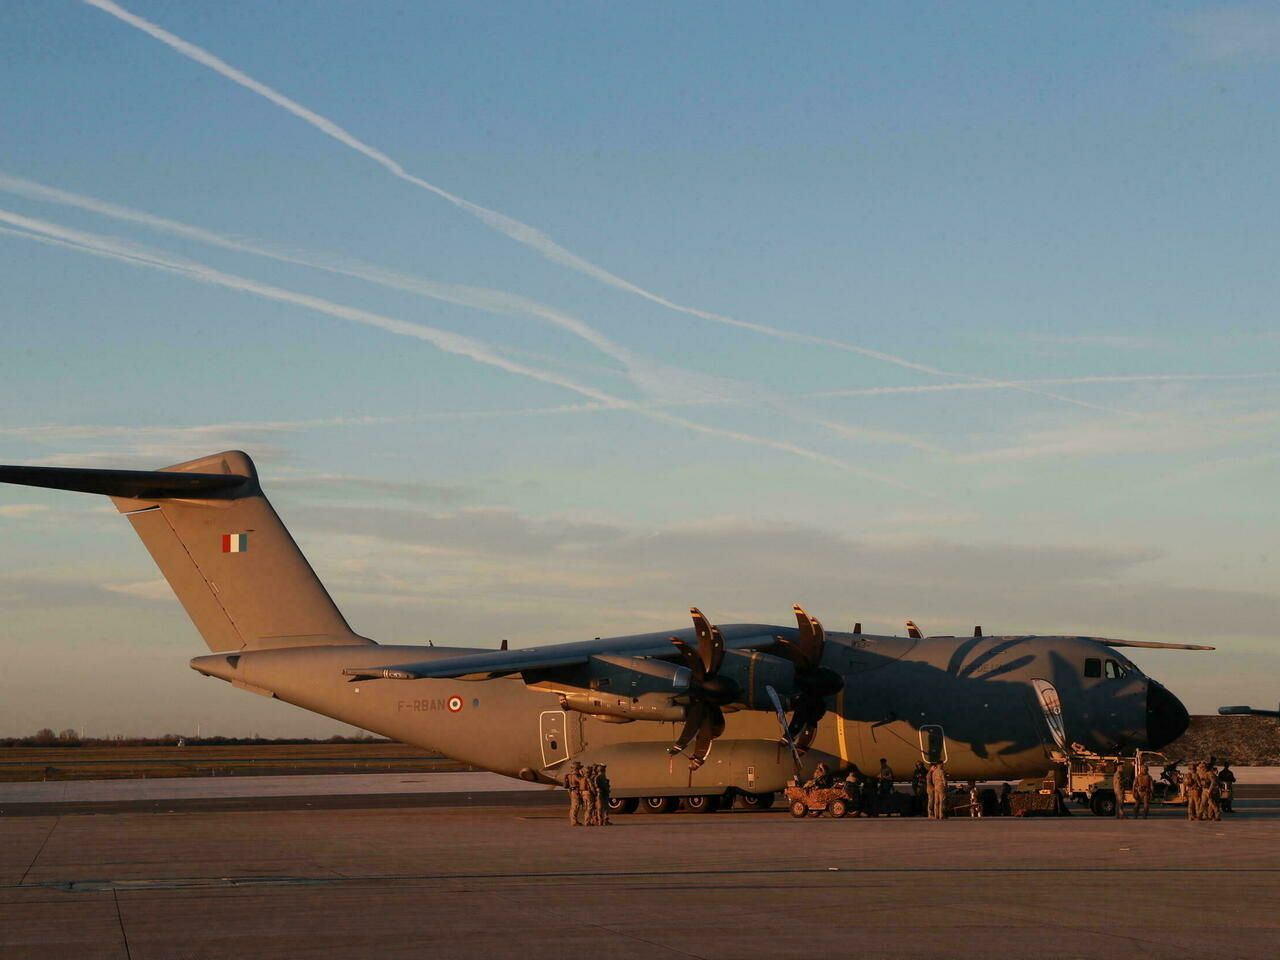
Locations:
(977, 631)
(782, 724)
(691, 659)
(709, 640)
(857, 627)
(913, 631)
(709, 729)
(812, 638)
(694, 717)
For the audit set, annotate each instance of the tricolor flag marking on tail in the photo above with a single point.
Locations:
(235, 542)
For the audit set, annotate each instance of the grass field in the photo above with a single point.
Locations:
(109, 762)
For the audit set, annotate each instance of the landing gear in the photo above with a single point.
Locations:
(702, 804)
(624, 804)
(756, 801)
(660, 804)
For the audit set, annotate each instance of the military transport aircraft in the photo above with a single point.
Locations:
(706, 713)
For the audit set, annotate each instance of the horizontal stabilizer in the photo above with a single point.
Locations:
(133, 484)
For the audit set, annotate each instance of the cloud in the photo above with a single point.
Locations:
(153, 590)
(20, 510)
(1119, 438)
(545, 579)
(1232, 35)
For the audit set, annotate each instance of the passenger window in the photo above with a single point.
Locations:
(1093, 667)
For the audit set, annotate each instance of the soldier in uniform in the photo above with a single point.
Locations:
(1143, 788)
(1227, 781)
(1209, 793)
(885, 784)
(1191, 789)
(937, 792)
(601, 811)
(1117, 787)
(821, 778)
(590, 794)
(975, 801)
(573, 783)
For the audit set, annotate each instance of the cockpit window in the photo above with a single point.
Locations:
(1093, 667)
(1115, 671)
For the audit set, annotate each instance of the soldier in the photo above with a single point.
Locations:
(975, 801)
(590, 794)
(573, 783)
(1209, 793)
(937, 785)
(1117, 787)
(885, 785)
(1191, 790)
(1227, 781)
(820, 779)
(1143, 788)
(601, 811)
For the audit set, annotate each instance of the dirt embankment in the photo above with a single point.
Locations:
(1245, 741)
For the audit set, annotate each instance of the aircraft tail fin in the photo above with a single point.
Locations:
(222, 547)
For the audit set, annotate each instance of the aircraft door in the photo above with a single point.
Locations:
(933, 743)
(554, 736)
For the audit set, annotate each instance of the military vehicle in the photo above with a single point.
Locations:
(709, 713)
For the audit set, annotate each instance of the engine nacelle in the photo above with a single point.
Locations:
(753, 672)
(615, 709)
(620, 689)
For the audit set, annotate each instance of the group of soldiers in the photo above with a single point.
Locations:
(588, 795)
(1207, 789)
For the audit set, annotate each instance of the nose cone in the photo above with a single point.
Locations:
(1167, 718)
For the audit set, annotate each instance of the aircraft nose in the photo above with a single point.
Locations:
(1167, 718)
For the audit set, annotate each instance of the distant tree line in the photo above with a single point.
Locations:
(46, 737)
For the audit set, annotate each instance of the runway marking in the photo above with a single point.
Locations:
(40, 851)
(206, 883)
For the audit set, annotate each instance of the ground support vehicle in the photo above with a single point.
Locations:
(813, 801)
(1088, 780)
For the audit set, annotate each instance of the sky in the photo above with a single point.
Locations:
(546, 321)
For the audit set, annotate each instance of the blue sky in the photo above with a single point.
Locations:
(546, 321)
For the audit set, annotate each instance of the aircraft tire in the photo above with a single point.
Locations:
(624, 804)
(660, 804)
(1103, 804)
(798, 809)
(702, 804)
(756, 801)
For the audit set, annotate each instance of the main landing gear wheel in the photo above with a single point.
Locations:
(756, 801)
(702, 804)
(660, 804)
(798, 809)
(838, 809)
(623, 804)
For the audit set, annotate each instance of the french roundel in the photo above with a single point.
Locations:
(455, 704)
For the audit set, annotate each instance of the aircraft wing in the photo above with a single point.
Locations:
(503, 663)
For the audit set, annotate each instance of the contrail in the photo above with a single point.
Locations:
(665, 384)
(1046, 381)
(445, 340)
(520, 232)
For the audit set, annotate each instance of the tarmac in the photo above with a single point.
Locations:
(459, 877)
